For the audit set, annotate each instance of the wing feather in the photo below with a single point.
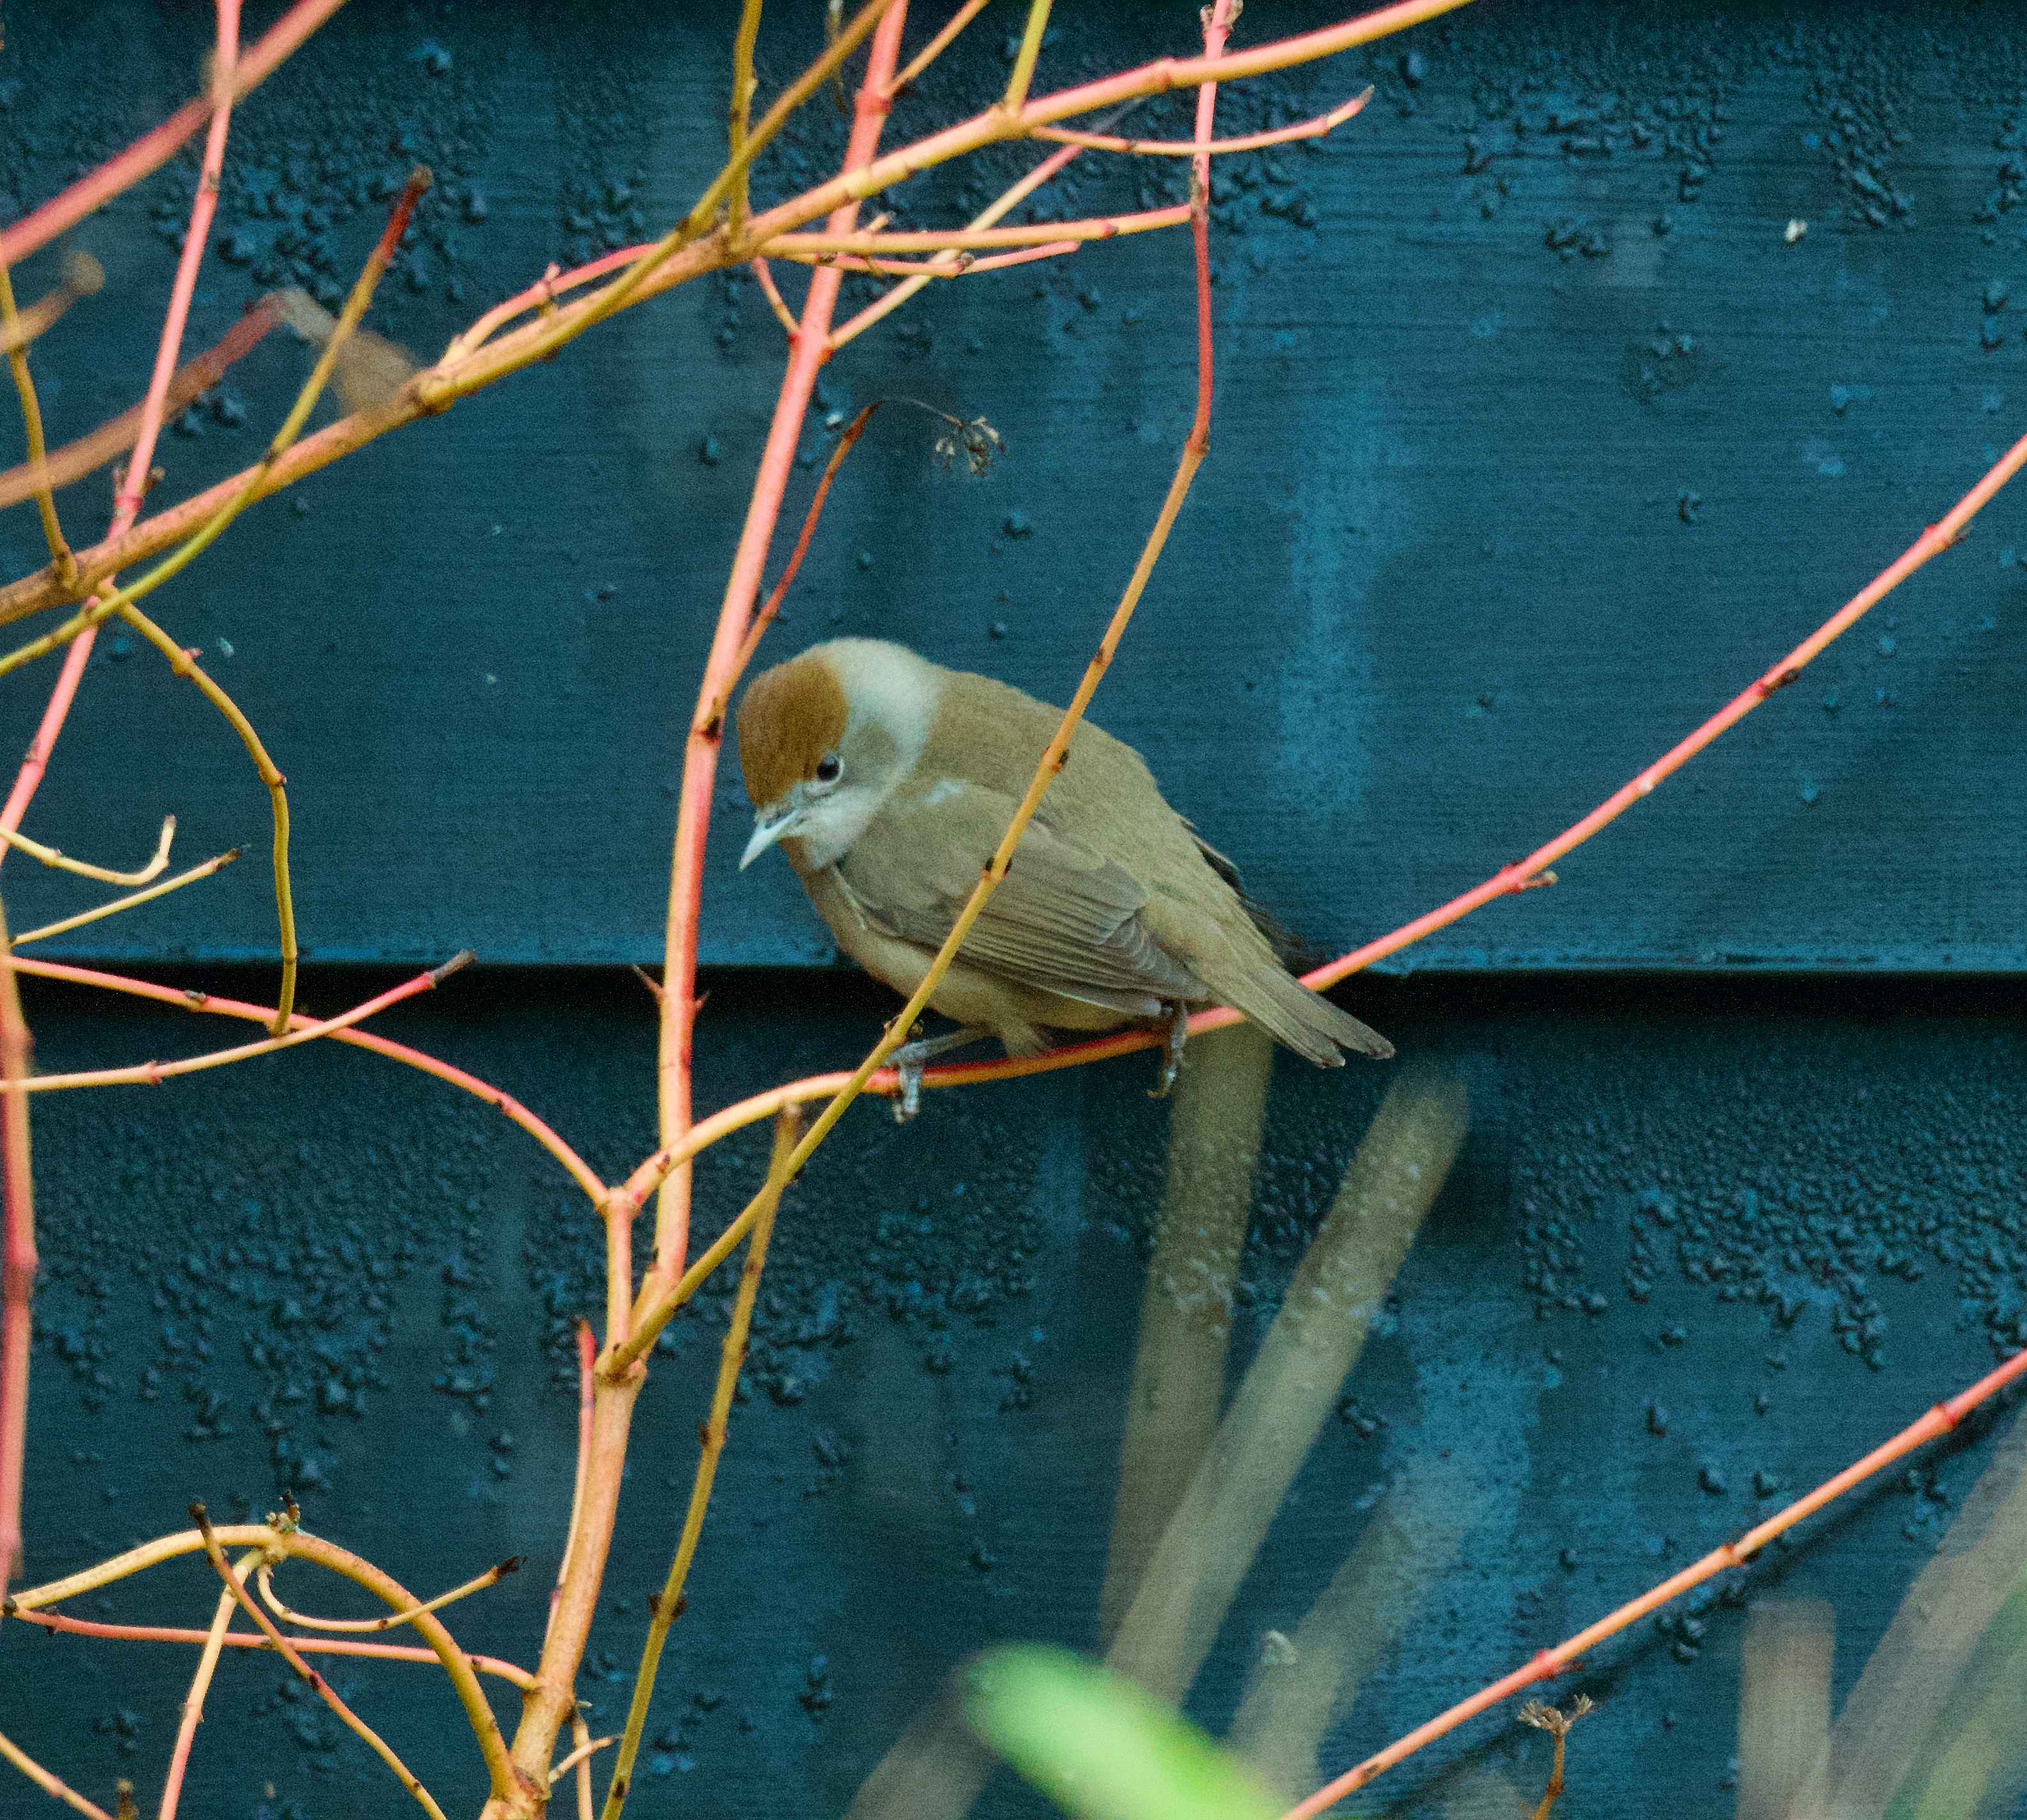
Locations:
(1064, 918)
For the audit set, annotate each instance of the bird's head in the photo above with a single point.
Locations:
(826, 738)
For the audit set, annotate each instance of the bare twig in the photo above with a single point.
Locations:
(668, 1605)
(74, 460)
(51, 856)
(1311, 129)
(153, 150)
(235, 1587)
(216, 864)
(18, 1261)
(186, 999)
(491, 1664)
(48, 1781)
(492, 1576)
(154, 1074)
(937, 45)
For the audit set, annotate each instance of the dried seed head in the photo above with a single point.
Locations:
(977, 441)
(1548, 1718)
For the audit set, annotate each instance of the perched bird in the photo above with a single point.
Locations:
(888, 782)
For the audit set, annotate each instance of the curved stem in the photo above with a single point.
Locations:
(667, 1606)
(187, 999)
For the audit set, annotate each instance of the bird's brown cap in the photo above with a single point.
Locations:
(789, 718)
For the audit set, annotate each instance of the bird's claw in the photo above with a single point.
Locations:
(906, 1061)
(1172, 1060)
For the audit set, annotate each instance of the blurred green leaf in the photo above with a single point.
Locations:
(1099, 1746)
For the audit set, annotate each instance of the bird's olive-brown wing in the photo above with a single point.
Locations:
(1062, 918)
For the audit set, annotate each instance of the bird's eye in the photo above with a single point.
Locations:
(828, 768)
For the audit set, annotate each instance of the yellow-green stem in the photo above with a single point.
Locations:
(669, 1606)
(31, 421)
(1024, 60)
(183, 664)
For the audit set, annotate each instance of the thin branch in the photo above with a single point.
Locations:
(505, 1776)
(1011, 199)
(52, 856)
(74, 460)
(915, 270)
(720, 702)
(153, 150)
(934, 240)
(188, 999)
(1311, 129)
(19, 333)
(587, 1357)
(183, 663)
(1023, 73)
(192, 1706)
(83, 276)
(254, 1640)
(742, 86)
(668, 1605)
(218, 863)
(235, 1586)
(1939, 1421)
(492, 1576)
(580, 1736)
(48, 1781)
(152, 1073)
(18, 1261)
(786, 316)
(581, 1755)
(937, 45)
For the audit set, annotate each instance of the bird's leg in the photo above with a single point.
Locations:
(1171, 1062)
(907, 1062)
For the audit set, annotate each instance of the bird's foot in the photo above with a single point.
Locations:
(1172, 1059)
(908, 1060)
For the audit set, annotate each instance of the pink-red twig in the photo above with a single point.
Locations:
(186, 999)
(1939, 1421)
(203, 205)
(18, 1242)
(91, 451)
(17, 1211)
(721, 703)
(300, 1031)
(250, 1639)
(153, 150)
(807, 352)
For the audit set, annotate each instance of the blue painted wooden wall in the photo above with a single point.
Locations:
(1537, 439)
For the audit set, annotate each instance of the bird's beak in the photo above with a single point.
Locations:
(766, 833)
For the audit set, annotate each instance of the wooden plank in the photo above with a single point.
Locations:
(1437, 595)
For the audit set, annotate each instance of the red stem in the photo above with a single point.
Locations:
(18, 1244)
(808, 349)
(253, 1640)
(153, 150)
(1940, 1420)
(20, 1266)
(126, 505)
(186, 999)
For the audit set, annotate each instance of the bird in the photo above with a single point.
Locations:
(888, 782)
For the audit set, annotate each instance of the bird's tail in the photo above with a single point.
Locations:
(1298, 1018)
